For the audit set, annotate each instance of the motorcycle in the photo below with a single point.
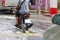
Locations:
(24, 22)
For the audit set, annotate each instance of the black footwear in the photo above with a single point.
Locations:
(18, 26)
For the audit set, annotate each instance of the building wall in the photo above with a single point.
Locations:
(33, 4)
(58, 4)
(44, 4)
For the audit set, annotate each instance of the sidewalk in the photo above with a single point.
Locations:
(40, 17)
(41, 25)
(34, 16)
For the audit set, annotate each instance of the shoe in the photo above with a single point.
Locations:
(18, 26)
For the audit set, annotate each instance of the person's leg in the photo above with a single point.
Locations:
(18, 22)
(16, 19)
(16, 16)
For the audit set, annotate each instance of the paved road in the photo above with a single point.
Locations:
(8, 30)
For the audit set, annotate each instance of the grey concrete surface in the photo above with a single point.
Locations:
(43, 27)
(8, 30)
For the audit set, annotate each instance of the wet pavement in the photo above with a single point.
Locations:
(9, 32)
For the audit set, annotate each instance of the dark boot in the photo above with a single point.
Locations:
(18, 26)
